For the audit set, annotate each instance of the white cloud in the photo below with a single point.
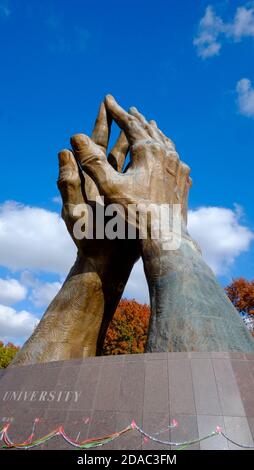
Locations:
(136, 287)
(16, 326)
(40, 292)
(44, 292)
(11, 291)
(34, 238)
(212, 30)
(220, 235)
(245, 97)
(4, 9)
(242, 25)
(210, 27)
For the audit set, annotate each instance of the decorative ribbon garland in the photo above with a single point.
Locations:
(97, 442)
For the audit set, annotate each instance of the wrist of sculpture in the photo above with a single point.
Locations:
(64, 331)
(75, 323)
(189, 310)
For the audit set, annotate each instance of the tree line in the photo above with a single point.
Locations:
(128, 329)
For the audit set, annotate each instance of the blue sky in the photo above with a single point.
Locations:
(186, 64)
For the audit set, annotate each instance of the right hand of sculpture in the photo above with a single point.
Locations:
(155, 174)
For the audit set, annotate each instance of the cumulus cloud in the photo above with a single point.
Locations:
(245, 97)
(4, 9)
(210, 27)
(34, 238)
(213, 30)
(44, 292)
(243, 23)
(16, 326)
(220, 235)
(11, 291)
(41, 292)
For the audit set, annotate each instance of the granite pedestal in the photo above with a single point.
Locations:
(101, 395)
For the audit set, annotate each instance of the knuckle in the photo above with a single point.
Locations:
(170, 143)
(67, 180)
(185, 169)
(174, 157)
(61, 182)
(131, 118)
(156, 147)
(133, 123)
(80, 141)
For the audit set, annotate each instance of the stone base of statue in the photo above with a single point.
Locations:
(173, 397)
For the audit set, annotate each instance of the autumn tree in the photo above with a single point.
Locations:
(7, 353)
(241, 294)
(126, 334)
(127, 331)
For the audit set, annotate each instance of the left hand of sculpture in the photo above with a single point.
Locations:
(77, 319)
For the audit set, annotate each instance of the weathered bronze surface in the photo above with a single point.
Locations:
(190, 311)
(77, 319)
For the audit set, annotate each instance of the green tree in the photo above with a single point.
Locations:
(7, 353)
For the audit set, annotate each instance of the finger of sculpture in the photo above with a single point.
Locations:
(68, 182)
(95, 163)
(165, 139)
(152, 128)
(130, 124)
(85, 148)
(101, 132)
(160, 134)
(153, 132)
(134, 112)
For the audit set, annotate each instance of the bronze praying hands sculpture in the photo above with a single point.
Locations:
(189, 309)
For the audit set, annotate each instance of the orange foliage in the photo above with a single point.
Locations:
(241, 294)
(127, 331)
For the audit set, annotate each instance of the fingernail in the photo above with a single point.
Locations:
(109, 99)
(64, 156)
(78, 141)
